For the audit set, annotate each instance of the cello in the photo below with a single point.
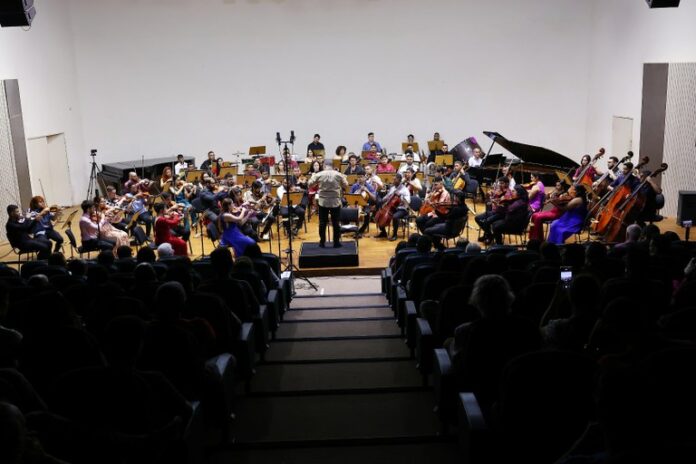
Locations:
(584, 178)
(627, 212)
(614, 199)
(384, 215)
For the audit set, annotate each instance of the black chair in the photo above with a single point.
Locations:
(457, 228)
(544, 407)
(80, 249)
(139, 236)
(213, 233)
(521, 259)
(534, 301)
(471, 190)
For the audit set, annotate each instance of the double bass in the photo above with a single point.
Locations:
(615, 198)
(584, 178)
(628, 210)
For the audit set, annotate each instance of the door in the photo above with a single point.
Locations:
(48, 169)
(621, 136)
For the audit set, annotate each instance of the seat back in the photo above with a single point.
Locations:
(545, 404)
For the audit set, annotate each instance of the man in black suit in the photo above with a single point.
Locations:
(18, 233)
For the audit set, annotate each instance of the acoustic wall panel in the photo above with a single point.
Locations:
(9, 188)
(680, 134)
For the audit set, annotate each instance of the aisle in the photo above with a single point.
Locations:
(337, 386)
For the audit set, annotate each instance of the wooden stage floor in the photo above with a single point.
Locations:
(373, 253)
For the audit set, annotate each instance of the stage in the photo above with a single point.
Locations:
(373, 254)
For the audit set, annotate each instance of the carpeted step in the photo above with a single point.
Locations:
(326, 314)
(339, 301)
(316, 350)
(334, 417)
(338, 376)
(418, 453)
(338, 329)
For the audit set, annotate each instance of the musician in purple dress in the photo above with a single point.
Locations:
(573, 218)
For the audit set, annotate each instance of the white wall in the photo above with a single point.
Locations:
(162, 77)
(44, 62)
(627, 34)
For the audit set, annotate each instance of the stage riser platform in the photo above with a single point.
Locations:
(313, 256)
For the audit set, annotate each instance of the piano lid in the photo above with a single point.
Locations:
(532, 154)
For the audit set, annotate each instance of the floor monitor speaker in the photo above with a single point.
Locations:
(686, 208)
(663, 3)
(17, 13)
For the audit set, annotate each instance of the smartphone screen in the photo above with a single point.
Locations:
(566, 275)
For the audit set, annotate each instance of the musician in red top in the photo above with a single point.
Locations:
(164, 223)
(591, 171)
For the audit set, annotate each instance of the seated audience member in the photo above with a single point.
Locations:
(633, 235)
(473, 248)
(573, 332)
(481, 348)
(174, 345)
(165, 250)
(146, 255)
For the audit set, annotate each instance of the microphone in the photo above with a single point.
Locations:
(278, 138)
(292, 136)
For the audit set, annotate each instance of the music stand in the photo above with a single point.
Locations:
(387, 178)
(396, 164)
(355, 199)
(69, 220)
(305, 167)
(248, 179)
(435, 145)
(319, 152)
(336, 163)
(444, 160)
(352, 179)
(278, 178)
(292, 198)
(194, 175)
(228, 170)
(257, 151)
(404, 146)
(368, 155)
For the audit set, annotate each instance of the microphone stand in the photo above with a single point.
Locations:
(290, 265)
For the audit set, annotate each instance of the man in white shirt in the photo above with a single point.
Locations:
(180, 165)
(476, 160)
(372, 179)
(410, 163)
(331, 186)
(399, 194)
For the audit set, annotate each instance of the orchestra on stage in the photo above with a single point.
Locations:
(236, 204)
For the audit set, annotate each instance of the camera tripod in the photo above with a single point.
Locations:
(93, 184)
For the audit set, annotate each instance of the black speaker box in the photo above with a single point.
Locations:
(686, 208)
(663, 3)
(16, 13)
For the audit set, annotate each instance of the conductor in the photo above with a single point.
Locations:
(331, 184)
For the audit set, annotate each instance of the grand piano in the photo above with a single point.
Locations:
(117, 173)
(550, 165)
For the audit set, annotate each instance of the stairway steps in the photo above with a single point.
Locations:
(338, 329)
(342, 301)
(337, 376)
(335, 417)
(321, 350)
(356, 314)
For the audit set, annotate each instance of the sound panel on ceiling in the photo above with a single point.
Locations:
(663, 3)
(16, 13)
